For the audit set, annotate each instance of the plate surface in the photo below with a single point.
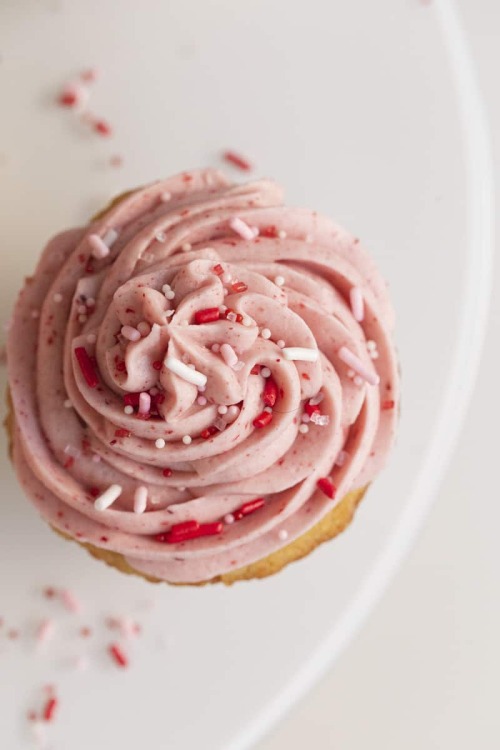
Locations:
(365, 111)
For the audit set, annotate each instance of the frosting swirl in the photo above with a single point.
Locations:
(197, 347)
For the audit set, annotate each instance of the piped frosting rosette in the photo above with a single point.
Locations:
(199, 375)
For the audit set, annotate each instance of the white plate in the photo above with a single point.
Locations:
(366, 111)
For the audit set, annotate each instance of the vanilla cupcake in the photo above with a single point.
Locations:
(203, 381)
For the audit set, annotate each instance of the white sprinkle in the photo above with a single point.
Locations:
(58, 297)
(129, 333)
(128, 409)
(370, 344)
(166, 288)
(98, 247)
(215, 348)
(201, 401)
(239, 366)
(300, 354)
(82, 318)
(358, 381)
(170, 294)
(35, 314)
(283, 535)
(160, 236)
(109, 237)
(305, 418)
(232, 413)
(187, 439)
(229, 355)
(165, 197)
(320, 419)
(91, 338)
(108, 497)
(160, 443)
(341, 458)
(96, 458)
(140, 499)
(246, 321)
(144, 403)
(191, 366)
(169, 313)
(201, 388)
(226, 277)
(144, 328)
(357, 303)
(90, 302)
(222, 409)
(265, 372)
(350, 359)
(374, 354)
(222, 308)
(241, 228)
(265, 333)
(303, 429)
(279, 280)
(68, 404)
(186, 247)
(185, 372)
(316, 399)
(268, 409)
(280, 343)
(282, 234)
(229, 518)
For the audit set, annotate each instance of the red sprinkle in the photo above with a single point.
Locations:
(237, 160)
(239, 317)
(263, 419)
(122, 433)
(255, 370)
(269, 231)
(182, 532)
(118, 654)
(157, 365)
(247, 508)
(208, 432)
(326, 486)
(67, 98)
(239, 286)
(94, 491)
(270, 392)
(209, 315)
(49, 592)
(86, 367)
(131, 399)
(311, 409)
(102, 127)
(50, 709)
(218, 269)
(167, 472)
(386, 405)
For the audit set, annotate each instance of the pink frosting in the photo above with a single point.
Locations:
(173, 238)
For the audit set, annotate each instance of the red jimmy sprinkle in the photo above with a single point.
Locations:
(270, 393)
(86, 367)
(247, 508)
(209, 315)
(263, 419)
(327, 487)
(237, 160)
(118, 654)
(50, 709)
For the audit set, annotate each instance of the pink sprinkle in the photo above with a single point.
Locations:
(90, 75)
(132, 334)
(229, 355)
(70, 601)
(102, 127)
(144, 328)
(237, 160)
(351, 360)
(233, 413)
(357, 303)
(73, 95)
(341, 458)
(241, 228)
(201, 400)
(144, 403)
(45, 631)
(99, 248)
(229, 518)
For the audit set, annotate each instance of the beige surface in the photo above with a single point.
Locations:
(423, 674)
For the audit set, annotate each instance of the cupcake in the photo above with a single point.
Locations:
(203, 381)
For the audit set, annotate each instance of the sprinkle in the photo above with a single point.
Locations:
(247, 321)
(35, 314)
(341, 458)
(108, 497)
(316, 399)
(118, 655)
(320, 419)
(86, 367)
(248, 508)
(144, 328)
(279, 280)
(70, 96)
(215, 348)
(157, 364)
(237, 160)
(181, 532)
(371, 345)
(305, 418)
(166, 197)
(232, 317)
(263, 419)
(358, 381)
(387, 405)
(130, 333)
(208, 432)
(280, 343)
(220, 424)
(144, 403)
(311, 409)
(57, 297)
(91, 338)
(201, 401)
(265, 372)
(208, 315)
(300, 354)
(228, 355)
(50, 709)
(90, 75)
(140, 499)
(70, 601)
(186, 247)
(303, 429)
(269, 231)
(241, 228)
(357, 365)
(232, 413)
(169, 313)
(218, 270)
(270, 393)
(81, 309)
(160, 236)
(282, 234)
(226, 277)
(357, 303)
(238, 287)
(185, 372)
(122, 433)
(102, 127)
(99, 249)
(187, 439)
(68, 404)
(109, 237)
(82, 318)
(282, 535)
(268, 409)
(45, 631)
(167, 473)
(160, 443)
(373, 354)
(265, 333)
(222, 409)
(229, 518)
(326, 486)
(239, 366)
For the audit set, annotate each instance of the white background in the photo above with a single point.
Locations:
(424, 672)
